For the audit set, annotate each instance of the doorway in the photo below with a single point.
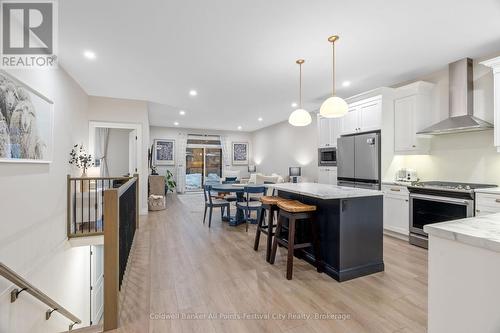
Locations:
(203, 166)
(125, 151)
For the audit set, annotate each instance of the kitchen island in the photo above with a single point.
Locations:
(350, 222)
(464, 271)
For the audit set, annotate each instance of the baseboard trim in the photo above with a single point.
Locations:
(347, 274)
(395, 234)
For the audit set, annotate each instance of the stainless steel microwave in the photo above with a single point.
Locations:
(327, 156)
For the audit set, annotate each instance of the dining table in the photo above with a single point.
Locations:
(239, 190)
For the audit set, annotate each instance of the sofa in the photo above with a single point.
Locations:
(259, 178)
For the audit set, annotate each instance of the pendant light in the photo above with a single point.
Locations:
(300, 117)
(333, 107)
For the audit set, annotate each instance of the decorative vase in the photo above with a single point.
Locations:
(84, 184)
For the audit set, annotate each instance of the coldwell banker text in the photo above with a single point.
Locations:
(29, 34)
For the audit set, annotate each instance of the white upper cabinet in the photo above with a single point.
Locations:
(495, 65)
(412, 113)
(404, 125)
(370, 115)
(328, 131)
(350, 121)
(363, 116)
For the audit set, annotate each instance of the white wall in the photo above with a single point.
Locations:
(106, 109)
(463, 157)
(175, 133)
(33, 221)
(278, 147)
(118, 151)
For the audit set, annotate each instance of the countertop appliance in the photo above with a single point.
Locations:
(406, 175)
(327, 156)
(358, 163)
(434, 202)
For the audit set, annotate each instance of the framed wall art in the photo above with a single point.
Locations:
(26, 123)
(240, 153)
(164, 152)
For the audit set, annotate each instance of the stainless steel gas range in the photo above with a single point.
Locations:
(434, 202)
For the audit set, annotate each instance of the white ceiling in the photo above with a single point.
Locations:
(240, 55)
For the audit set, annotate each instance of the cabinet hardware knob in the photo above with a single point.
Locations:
(406, 200)
(477, 210)
(413, 146)
(497, 200)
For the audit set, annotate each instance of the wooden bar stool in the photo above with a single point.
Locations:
(269, 205)
(294, 210)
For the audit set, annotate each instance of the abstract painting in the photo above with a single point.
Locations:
(26, 123)
(164, 152)
(240, 153)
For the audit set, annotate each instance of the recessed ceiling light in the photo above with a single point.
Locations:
(182, 112)
(240, 128)
(176, 123)
(193, 93)
(346, 83)
(89, 54)
(260, 119)
(294, 105)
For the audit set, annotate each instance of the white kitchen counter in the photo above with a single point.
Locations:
(492, 190)
(463, 288)
(481, 231)
(324, 191)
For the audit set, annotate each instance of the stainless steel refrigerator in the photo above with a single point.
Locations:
(358, 161)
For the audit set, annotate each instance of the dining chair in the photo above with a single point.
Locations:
(249, 205)
(212, 202)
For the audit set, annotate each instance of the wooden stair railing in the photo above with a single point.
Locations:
(85, 200)
(121, 213)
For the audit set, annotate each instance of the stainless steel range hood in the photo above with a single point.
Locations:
(461, 106)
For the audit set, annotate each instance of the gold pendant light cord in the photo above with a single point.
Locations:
(333, 68)
(300, 86)
(300, 62)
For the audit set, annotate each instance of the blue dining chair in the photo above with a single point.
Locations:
(211, 202)
(249, 205)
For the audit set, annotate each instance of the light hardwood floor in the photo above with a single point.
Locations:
(180, 266)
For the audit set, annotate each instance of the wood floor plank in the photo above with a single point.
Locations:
(181, 267)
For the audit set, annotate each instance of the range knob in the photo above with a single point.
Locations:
(467, 187)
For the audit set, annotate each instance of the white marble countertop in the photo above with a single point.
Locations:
(324, 191)
(491, 190)
(480, 231)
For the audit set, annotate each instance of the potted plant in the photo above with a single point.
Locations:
(82, 160)
(170, 183)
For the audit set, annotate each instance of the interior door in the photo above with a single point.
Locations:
(345, 157)
(132, 152)
(96, 283)
(367, 154)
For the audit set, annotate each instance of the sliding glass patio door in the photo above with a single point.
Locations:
(203, 166)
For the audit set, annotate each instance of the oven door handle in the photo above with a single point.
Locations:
(442, 199)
